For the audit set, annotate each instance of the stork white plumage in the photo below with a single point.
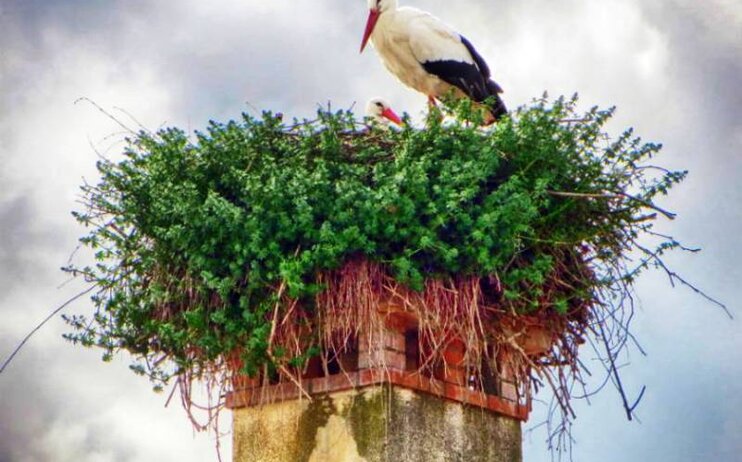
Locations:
(429, 56)
(379, 110)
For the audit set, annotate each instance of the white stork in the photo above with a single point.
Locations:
(381, 112)
(427, 55)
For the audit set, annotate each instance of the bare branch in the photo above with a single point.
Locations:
(43, 322)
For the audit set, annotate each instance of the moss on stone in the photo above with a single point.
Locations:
(314, 417)
(378, 424)
(368, 421)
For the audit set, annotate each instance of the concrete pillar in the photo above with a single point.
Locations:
(381, 423)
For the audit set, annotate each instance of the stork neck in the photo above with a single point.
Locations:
(387, 6)
(386, 19)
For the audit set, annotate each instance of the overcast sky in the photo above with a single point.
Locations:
(673, 68)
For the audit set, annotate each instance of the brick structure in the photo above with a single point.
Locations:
(375, 403)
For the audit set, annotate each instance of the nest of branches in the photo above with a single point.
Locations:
(469, 310)
(259, 244)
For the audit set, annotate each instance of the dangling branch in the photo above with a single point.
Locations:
(617, 377)
(42, 323)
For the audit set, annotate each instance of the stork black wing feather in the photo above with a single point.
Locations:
(473, 78)
(481, 63)
(493, 86)
(464, 76)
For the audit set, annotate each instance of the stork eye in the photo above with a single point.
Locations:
(379, 104)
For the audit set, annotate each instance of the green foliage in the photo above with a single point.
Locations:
(194, 237)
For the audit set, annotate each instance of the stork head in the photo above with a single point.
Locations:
(381, 112)
(376, 9)
(382, 5)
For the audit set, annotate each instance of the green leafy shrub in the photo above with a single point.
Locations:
(196, 239)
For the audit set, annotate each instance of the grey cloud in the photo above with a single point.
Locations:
(61, 404)
(18, 426)
(31, 18)
(704, 72)
(286, 58)
(21, 244)
(702, 60)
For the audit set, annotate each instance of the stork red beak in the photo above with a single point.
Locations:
(373, 16)
(391, 115)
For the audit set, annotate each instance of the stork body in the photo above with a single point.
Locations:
(427, 55)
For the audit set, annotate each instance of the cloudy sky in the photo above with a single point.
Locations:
(673, 68)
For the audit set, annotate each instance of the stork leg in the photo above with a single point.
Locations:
(433, 111)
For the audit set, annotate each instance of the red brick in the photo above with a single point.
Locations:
(455, 353)
(317, 386)
(394, 341)
(454, 392)
(426, 384)
(244, 382)
(396, 376)
(499, 405)
(439, 371)
(243, 398)
(436, 387)
(314, 368)
(382, 359)
(364, 360)
(238, 399)
(233, 401)
(381, 339)
(395, 360)
(399, 320)
(476, 398)
(455, 375)
(281, 392)
(342, 381)
(451, 374)
(416, 381)
(504, 366)
(370, 359)
(369, 377)
(522, 412)
(410, 381)
(348, 361)
(509, 391)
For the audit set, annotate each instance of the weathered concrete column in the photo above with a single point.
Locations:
(382, 423)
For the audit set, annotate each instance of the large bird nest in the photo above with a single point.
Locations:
(271, 240)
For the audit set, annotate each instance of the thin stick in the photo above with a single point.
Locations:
(617, 382)
(128, 114)
(41, 324)
(269, 350)
(673, 276)
(583, 195)
(566, 121)
(106, 113)
(669, 215)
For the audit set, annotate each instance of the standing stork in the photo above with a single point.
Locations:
(429, 56)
